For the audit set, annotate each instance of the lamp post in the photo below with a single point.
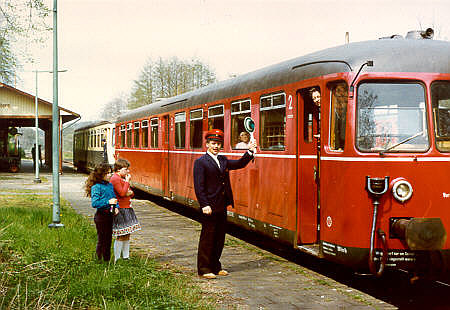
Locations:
(36, 123)
(56, 219)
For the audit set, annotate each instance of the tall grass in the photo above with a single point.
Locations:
(43, 268)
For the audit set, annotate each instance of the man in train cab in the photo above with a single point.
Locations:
(315, 96)
(213, 191)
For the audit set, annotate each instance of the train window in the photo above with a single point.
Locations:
(196, 128)
(273, 122)
(239, 111)
(391, 117)
(440, 98)
(122, 136)
(113, 136)
(338, 116)
(144, 133)
(129, 134)
(180, 130)
(97, 138)
(154, 131)
(136, 134)
(216, 117)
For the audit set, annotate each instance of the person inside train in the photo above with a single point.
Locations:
(244, 139)
(315, 96)
(213, 190)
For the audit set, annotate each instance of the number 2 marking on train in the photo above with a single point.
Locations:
(290, 102)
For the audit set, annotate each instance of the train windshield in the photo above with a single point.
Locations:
(440, 98)
(391, 117)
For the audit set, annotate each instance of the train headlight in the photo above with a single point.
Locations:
(402, 190)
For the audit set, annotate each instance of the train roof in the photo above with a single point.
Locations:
(90, 124)
(388, 55)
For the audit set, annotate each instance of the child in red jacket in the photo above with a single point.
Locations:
(125, 222)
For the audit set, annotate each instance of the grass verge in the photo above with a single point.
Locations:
(43, 268)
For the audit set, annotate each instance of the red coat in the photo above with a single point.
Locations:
(121, 188)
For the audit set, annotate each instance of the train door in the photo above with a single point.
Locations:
(165, 127)
(308, 156)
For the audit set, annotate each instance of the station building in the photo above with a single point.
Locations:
(17, 110)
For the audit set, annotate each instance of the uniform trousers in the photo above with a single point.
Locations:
(212, 240)
(103, 221)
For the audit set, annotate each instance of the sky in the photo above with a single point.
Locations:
(104, 44)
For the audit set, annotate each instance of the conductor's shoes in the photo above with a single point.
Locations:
(209, 276)
(223, 273)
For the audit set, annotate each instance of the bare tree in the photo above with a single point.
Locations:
(114, 108)
(169, 77)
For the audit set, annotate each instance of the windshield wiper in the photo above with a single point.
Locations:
(400, 143)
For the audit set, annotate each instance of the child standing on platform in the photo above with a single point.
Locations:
(104, 200)
(125, 222)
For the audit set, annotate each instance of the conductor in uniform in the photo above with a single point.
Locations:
(213, 191)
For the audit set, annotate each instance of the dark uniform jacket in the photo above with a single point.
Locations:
(212, 184)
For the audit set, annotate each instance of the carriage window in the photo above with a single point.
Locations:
(196, 128)
(145, 133)
(136, 134)
(273, 122)
(97, 138)
(239, 111)
(180, 130)
(129, 134)
(122, 135)
(154, 131)
(391, 117)
(215, 117)
(440, 98)
(339, 97)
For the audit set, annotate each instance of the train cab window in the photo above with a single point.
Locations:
(391, 117)
(154, 132)
(216, 117)
(136, 134)
(440, 98)
(129, 134)
(338, 115)
(122, 135)
(144, 133)
(180, 130)
(196, 128)
(239, 111)
(273, 122)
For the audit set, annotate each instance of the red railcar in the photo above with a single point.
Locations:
(364, 180)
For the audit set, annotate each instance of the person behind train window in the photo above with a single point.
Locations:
(213, 190)
(315, 96)
(105, 151)
(316, 100)
(125, 222)
(104, 200)
(338, 117)
(244, 138)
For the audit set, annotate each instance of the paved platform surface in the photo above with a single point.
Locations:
(257, 280)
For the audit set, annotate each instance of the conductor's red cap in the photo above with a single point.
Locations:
(214, 134)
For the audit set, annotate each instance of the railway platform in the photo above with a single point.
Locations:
(258, 279)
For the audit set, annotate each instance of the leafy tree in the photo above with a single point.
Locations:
(21, 21)
(165, 78)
